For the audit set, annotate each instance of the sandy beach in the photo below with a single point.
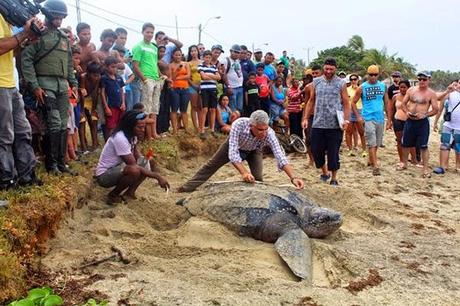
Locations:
(398, 245)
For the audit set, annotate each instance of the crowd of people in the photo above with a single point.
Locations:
(157, 88)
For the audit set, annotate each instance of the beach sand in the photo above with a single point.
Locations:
(399, 243)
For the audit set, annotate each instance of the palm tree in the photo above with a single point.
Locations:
(380, 58)
(356, 43)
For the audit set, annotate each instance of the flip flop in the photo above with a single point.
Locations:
(401, 168)
(426, 175)
(439, 170)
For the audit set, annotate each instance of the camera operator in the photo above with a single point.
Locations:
(48, 70)
(17, 158)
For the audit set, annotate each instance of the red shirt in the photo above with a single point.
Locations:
(262, 82)
(295, 100)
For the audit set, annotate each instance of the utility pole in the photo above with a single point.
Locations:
(200, 28)
(78, 10)
(177, 29)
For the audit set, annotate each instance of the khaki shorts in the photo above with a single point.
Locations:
(374, 133)
(111, 177)
(151, 91)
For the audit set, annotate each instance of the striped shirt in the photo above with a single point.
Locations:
(241, 138)
(207, 84)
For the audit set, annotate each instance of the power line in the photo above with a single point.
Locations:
(132, 19)
(104, 18)
(212, 37)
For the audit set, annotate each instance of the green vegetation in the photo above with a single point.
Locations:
(93, 302)
(40, 297)
(354, 57)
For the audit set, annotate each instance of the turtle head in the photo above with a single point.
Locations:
(319, 222)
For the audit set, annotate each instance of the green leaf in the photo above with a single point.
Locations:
(53, 300)
(37, 293)
(23, 302)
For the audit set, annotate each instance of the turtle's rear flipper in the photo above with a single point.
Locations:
(294, 247)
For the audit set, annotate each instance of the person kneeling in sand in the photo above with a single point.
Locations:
(121, 164)
(248, 136)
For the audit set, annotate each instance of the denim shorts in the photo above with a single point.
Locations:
(179, 99)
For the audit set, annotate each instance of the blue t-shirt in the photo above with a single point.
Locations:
(113, 90)
(372, 96)
(270, 71)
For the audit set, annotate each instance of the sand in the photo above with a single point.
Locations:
(399, 226)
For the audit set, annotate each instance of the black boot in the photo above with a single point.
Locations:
(61, 154)
(51, 142)
(30, 179)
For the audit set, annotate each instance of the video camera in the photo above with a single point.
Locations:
(17, 12)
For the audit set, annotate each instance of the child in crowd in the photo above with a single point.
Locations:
(252, 94)
(126, 73)
(71, 128)
(209, 77)
(112, 94)
(264, 84)
(224, 115)
(89, 115)
(76, 109)
(295, 108)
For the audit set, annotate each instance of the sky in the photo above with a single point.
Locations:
(423, 32)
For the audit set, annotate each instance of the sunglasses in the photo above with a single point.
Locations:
(373, 74)
(140, 116)
(353, 79)
(422, 79)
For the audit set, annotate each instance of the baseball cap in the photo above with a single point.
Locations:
(308, 72)
(396, 74)
(235, 48)
(373, 69)
(219, 47)
(258, 50)
(342, 72)
(424, 73)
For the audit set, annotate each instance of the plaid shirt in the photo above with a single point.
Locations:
(242, 139)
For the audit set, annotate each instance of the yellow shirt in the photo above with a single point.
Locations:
(6, 60)
(351, 94)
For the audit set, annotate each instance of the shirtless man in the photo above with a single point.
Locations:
(108, 38)
(419, 103)
(315, 72)
(85, 44)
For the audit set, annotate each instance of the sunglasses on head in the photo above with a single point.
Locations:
(373, 74)
(140, 116)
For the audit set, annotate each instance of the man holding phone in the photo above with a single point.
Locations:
(17, 159)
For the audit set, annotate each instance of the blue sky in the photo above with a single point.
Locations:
(423, 32)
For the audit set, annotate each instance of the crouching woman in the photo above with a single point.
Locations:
(121, 164)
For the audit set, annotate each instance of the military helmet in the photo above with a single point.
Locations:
(54, 8)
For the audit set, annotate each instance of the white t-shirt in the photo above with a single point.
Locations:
(235, 74)
(453, 100)
(116, 146)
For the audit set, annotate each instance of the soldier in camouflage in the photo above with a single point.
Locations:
(47, 69)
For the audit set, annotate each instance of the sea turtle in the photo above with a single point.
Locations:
(269, 213)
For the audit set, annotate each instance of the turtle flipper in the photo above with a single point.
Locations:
(294, 247)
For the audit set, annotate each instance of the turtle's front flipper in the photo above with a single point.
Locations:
(294, 247)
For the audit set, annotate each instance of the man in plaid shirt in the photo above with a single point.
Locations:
(247, 138)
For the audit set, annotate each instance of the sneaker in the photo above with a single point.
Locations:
(334, 183)
(439, 170)
(324, 177)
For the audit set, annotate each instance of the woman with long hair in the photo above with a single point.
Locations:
(180, 76)
(224, 115)
(121, 164)
(355, 127)
(193, 59)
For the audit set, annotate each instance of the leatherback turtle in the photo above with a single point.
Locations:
(268, 213)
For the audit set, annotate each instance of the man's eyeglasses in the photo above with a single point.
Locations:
(422, 79)
(373, 74)
(140, 116)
